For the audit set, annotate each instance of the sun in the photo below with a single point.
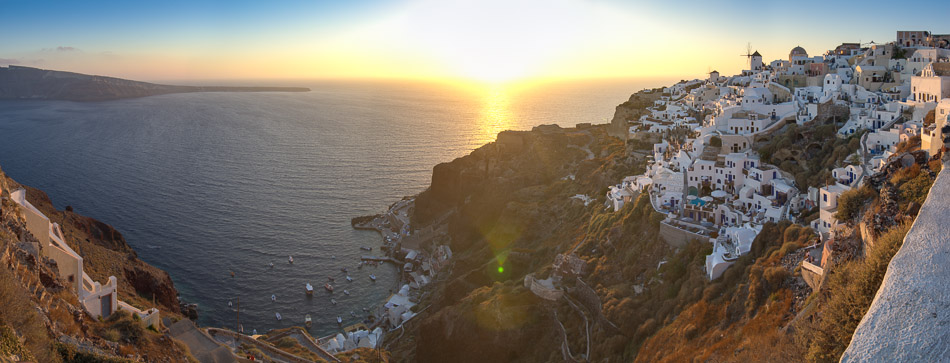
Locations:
(497, 40)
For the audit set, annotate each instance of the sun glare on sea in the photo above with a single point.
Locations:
(496, 114)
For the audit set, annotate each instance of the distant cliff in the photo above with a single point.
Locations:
(32, 83)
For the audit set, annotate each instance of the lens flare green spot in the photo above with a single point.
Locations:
(501, 269)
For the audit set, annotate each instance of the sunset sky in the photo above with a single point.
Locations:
(484, 40)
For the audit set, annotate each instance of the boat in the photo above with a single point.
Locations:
(307, 321)
(366, 309)
(271, 265)
(255, 332)
(352, 314)
(333, 301)
(343, 269)
(348, 278)
(366, 248)
(346, 292)
(309, 289)
(372, 277)
(291, 259)
(328, 287)
(333, 257)
(278, 316)
(339, 320)
(273, 297)
(359, 265)
(330, 278)
(229, 303)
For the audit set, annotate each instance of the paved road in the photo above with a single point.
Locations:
(203, 347)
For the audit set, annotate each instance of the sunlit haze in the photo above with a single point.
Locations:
(484, 41)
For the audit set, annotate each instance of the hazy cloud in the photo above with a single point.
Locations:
(9, 61)
(62, 49)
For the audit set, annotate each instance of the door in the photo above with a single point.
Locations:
(105, 303)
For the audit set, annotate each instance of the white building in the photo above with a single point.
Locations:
(97, 299)
(933, 84)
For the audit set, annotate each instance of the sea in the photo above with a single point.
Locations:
(205, 184)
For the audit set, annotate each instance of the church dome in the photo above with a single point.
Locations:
(797, 51)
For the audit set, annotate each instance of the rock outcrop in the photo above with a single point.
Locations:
(909, 319)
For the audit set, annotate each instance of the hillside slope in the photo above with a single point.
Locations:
(41, 318)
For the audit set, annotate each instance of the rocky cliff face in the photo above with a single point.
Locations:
(630, 110)
(909, 319)
(33, 83)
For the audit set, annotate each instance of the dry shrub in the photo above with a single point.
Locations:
(16, 310)
(850, 290)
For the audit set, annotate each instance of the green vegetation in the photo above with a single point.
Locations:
(852, 201)
(293, 346)
(10, 345)
(809, 153)
(122, 326)
(899, 53)
(849, 291)
(929, 118)
(72, 355)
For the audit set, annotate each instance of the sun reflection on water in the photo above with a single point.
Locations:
(496, 114)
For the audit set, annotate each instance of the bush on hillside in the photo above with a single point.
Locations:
(851, 202)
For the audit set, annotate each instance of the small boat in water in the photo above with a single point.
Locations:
(330, 278)
(291, 259)
(307, 321)
(339, 320)
(359, 266)
(333, 301)
(273, 298)
(366, 309)
(278, 316)
(343, 269)
(366, 248)
(309, 289)
(346, 292)
(328, 287)
(353, 314)
(271, 265)
(372, 277)
(348, 278)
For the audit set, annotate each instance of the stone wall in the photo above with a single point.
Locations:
(812, 274)
(676, 237)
